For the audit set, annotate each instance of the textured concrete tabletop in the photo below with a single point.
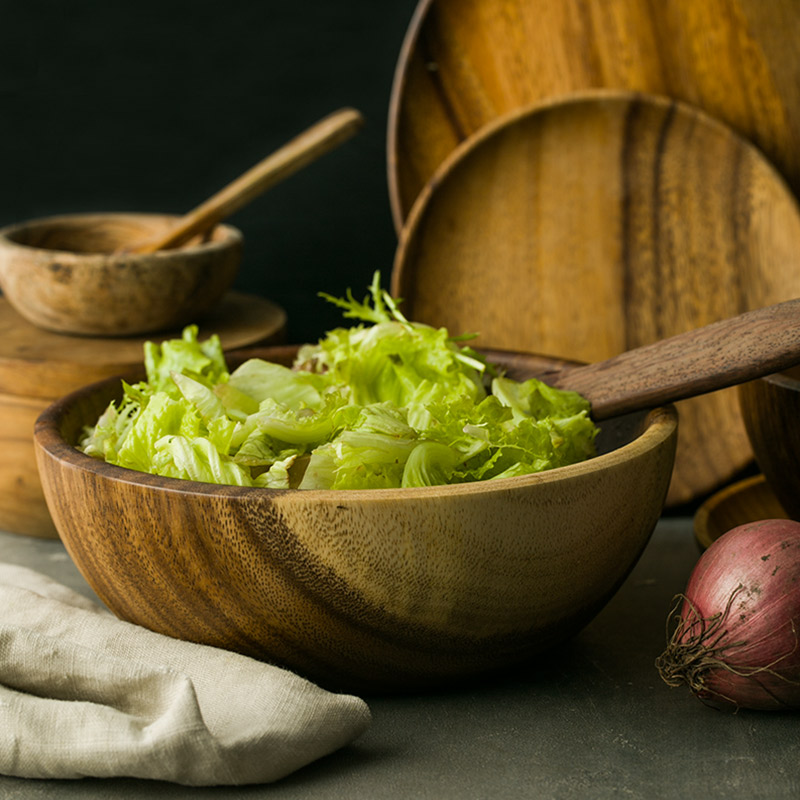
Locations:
(593, 720)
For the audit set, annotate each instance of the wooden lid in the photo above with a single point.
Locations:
(37, 363)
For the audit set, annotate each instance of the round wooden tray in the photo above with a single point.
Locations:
(590, 226)
(37, 367)
(465, 63)
(746, 501)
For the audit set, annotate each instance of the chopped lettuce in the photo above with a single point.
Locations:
(385, 403)
(203, 361)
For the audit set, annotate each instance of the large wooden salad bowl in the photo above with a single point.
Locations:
(373, 590)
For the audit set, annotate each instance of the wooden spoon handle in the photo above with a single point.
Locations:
(723, 354)
(300, 151)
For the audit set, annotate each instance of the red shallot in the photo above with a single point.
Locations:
(736, 636)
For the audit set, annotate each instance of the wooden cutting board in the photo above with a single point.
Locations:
(37, 367)
(587, 227)
(466, 62)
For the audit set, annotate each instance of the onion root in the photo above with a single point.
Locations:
(698, 647)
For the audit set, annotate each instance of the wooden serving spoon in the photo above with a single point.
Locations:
(314, 142)
(693, 363)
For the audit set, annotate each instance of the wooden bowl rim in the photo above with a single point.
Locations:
(783, 381)
(228, 236)
(658, 426)
(396, 94)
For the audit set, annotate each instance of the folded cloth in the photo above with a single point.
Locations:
(83, 693)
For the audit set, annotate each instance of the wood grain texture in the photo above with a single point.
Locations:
(37, 367)
(748, 500)
(465, 63)
(373, 590)
(596, 225)
(66, 274)
(771, 412)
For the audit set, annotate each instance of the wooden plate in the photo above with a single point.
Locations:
(746, 501)
(466, 62)
(587, 227)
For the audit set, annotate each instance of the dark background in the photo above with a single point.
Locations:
(153, 106)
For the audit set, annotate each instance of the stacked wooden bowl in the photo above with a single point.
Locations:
(579, 178)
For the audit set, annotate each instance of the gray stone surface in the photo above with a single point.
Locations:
(593, 720)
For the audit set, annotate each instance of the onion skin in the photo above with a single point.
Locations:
(736, 640)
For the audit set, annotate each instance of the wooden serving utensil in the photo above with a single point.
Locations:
(716, 356)
(314, 142)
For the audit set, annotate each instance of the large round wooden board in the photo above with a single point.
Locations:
(466, 62)
(37, 366)
(591, 226)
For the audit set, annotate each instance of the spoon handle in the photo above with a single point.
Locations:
(719, 355)
(317, 140)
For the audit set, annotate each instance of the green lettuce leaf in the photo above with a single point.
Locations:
(196, 459)
(384, 403)
(204, 361)
(430, 464)
(261, 380)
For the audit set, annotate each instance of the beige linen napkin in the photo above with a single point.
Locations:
(85, 694)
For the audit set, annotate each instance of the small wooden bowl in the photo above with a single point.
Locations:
(771, 413)
(365, 590)
(70, 274)
(748, 500)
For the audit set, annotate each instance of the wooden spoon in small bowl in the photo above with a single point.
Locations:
(314, 142)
